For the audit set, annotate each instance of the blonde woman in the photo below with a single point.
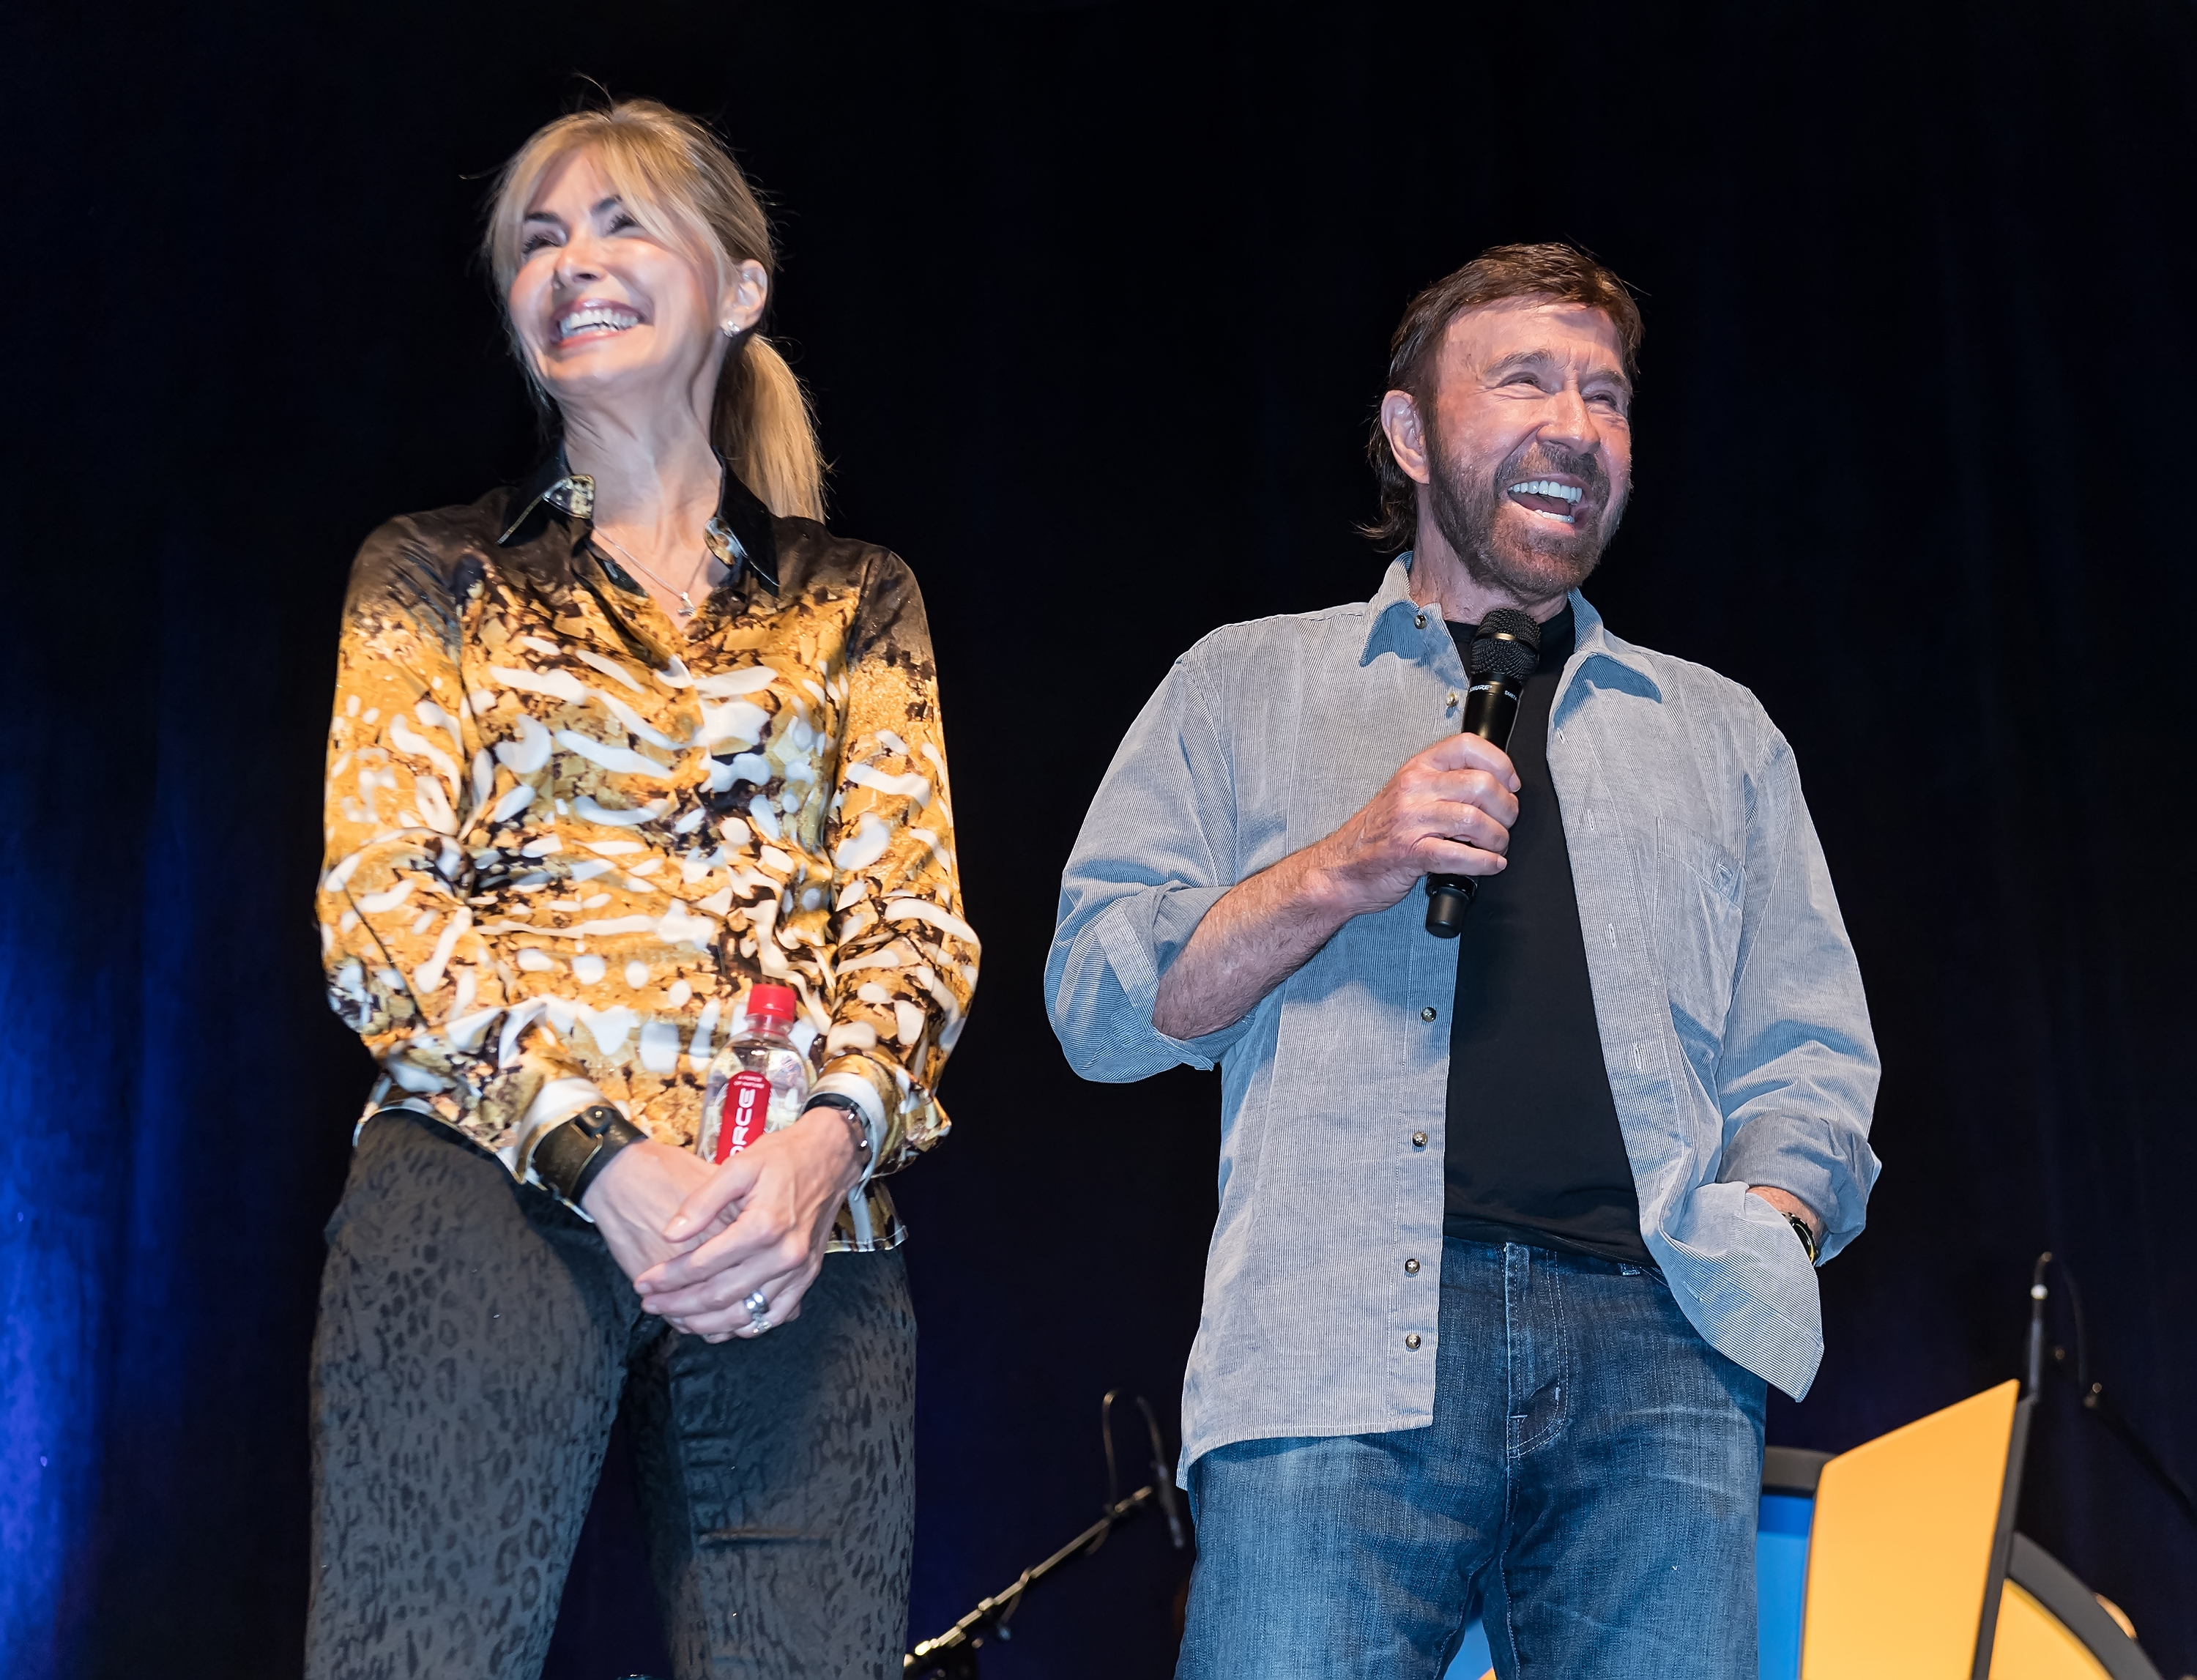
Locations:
(607, 750)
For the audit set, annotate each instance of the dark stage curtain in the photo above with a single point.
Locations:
(1095, 302)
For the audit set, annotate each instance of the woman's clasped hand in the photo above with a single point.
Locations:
(700, 1241)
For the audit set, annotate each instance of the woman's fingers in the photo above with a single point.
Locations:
(775, 1246)
(785, 1293)
(723, 1187)
(749, 1332)
(738, 1247)
(673, 1290)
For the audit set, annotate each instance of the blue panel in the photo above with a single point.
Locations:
(1472, 1659)
(1786, 1514)
(1780, 1582)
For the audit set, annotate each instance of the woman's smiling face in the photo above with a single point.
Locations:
(609, 313)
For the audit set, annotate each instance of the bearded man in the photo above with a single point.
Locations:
(1513, 1230)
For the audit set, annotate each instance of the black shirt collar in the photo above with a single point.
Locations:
(1558, 637)
(740, 534)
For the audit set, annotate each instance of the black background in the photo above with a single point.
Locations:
(1093, 301)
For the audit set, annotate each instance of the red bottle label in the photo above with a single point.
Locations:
(747, 1110)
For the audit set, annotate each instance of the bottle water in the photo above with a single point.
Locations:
(758, 1080)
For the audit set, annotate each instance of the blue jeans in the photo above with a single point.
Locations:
(1588, 1486)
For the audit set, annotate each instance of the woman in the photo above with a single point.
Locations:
(609, 749)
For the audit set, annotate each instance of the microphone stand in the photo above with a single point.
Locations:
(2093, 1394)
(2038, 1292)
(953, 1655)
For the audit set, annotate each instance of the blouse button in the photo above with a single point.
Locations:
(1410, 1268)
(1418, 1140)
(1411, 1341)
(1427, 1013)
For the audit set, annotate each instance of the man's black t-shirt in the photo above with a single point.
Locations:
(1535, 1153)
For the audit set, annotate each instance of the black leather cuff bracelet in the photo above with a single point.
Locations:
(571, 1155)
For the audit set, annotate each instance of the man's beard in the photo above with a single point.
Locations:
(1533, 564)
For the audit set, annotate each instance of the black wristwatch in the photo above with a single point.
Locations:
(571, 1154)
(1807, 1236)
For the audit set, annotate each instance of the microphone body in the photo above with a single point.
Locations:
(1505, 652)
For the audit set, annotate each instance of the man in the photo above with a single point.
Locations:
(1513, 1230)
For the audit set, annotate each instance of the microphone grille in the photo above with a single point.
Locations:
(1506, 646)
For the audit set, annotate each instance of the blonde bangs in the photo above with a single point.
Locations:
(648, 168)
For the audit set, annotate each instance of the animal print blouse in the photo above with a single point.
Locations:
(561, 842)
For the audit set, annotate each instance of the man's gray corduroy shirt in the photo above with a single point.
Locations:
(1733, 1026)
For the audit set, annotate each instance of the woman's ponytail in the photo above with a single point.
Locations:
(764, 428)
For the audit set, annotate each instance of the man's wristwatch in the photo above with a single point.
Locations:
(571, 1154)
(1807, 1236)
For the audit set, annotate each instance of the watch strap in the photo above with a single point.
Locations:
(858, 1126)
(1807, 1236)
(864, 1092)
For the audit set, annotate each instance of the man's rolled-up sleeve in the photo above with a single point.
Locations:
(1797, 1079)
(1156, 852)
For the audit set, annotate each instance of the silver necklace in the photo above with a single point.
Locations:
(686, 601)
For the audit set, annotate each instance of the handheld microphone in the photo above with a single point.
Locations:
(1505, 649)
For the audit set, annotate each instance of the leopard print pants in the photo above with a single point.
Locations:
(476, 1342)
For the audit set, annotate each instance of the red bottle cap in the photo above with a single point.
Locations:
(774, 1002)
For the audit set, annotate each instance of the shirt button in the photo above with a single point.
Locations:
(1411, 1341)
(1427, 1013)
(1419, 619)
(1452, 699)
(1418, 1140)
(1410, 1268)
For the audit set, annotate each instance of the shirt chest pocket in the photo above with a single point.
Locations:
(1700, 894)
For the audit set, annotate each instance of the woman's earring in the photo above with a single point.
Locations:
(730, 329)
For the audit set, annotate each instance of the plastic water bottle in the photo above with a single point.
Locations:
(758, 1080)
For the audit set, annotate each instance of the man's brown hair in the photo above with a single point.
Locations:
(1561, 274)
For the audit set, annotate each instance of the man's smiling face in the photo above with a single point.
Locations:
(1529, 445)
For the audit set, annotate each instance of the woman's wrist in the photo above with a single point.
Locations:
(842, 1136)
(862, 1091)
(607, 1191)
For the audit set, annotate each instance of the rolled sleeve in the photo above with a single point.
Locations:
(904, 960)
(1156, 853)
(1797, 1079)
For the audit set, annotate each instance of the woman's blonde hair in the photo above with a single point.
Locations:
(680, 184)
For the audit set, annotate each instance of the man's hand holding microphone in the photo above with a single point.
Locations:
(1448, 811)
